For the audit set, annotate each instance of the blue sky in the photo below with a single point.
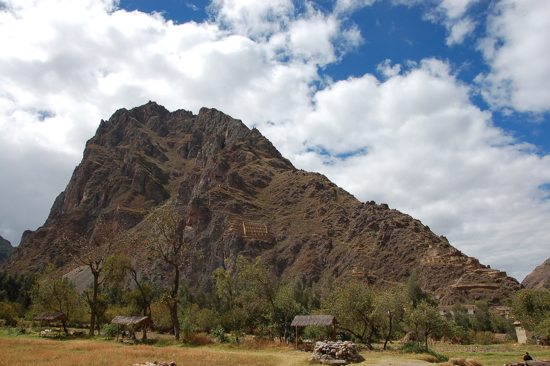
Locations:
(398, 32)
(439, 108)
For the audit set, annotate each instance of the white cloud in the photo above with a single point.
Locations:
(517, 51)
(387, 70)
(453, 14)
(254, 18)
(459, 30)
(413, 140)
(347, 6)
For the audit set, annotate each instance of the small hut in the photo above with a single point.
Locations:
(144, 321)
(52, 317)
(314, 320)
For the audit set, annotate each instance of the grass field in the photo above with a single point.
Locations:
(31, 350)
(494, 355)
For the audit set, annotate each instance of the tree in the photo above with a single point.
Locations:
(234, 315)
(415, 293)
(16, 288)
(481, 321)
(116, 268)
(460, 316)
(390, 303)
(258, 284)
(287, 309)
(424, 321)
(532, 309)
(170, 242)
(93, 253)
(354, 306)
(56, 294)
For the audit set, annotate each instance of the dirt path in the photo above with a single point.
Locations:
(397, 362)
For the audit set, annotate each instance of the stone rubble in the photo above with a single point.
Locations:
(335, 353)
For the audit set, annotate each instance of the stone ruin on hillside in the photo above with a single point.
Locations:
(336, 353)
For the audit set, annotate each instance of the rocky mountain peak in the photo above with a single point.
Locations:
(241, 197)
(539, 278)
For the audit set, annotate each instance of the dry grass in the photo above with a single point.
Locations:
(40, 352)
(28, 350)
(429, 358)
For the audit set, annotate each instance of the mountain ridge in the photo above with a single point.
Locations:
(539, 278)
(240, 196)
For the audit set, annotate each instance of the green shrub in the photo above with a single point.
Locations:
(415, 347)
(440, 358)
(111, 330)
(485, 338)
(219, 334)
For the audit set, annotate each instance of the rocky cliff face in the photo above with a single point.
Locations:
(539, 278)
(241, 197)
(5, 250)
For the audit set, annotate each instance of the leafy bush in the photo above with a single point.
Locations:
(485, 338)
(316, 333)
(415, 347)
(111, 330)
(440, 358)
(219, 334)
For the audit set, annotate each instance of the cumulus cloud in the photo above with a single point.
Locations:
(413, 140)
(517, 51)
(453, 14)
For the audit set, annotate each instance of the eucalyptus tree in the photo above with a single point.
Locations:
(390, 305)
(169, 240)
(354, 306)
(55, 294)
(423, 320)
(258, 289)
(532, 309)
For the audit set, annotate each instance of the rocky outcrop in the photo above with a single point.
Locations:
(539, 278)
(240, 197)
(5, 250)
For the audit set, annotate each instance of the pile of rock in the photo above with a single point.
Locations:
(336, 353)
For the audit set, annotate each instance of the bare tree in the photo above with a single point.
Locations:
(169, 240)
(93, 253)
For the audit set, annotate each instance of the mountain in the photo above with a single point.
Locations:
(240, 196)
(5, 250)
(539, 278)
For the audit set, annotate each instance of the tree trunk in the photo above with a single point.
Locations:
(93, 302)
(174, 303)
(388, 336)
(175, 320)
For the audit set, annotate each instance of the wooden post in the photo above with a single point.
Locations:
(296, 337)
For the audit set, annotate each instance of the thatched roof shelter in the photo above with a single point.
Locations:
(144, 321)
(51, 317)
(313, 320)
(132, 320)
